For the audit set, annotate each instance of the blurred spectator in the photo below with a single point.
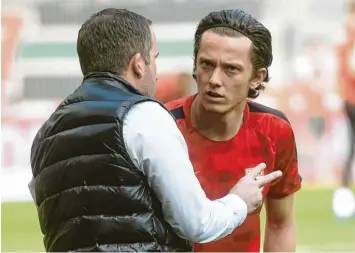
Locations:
(173, 86)
(346, 82)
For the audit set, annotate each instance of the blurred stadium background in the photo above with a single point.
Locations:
(39, 68)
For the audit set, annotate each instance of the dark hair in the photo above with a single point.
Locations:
(236, 23)
(109, 38)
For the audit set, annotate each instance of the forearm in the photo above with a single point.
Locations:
(215, 221)
(280, 237)
(280, 217)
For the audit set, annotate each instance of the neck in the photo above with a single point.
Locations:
(133, 82)
(129, 78)
(216, 126)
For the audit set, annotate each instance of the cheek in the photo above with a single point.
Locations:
(153, 68)
(237, 87)
(154, 65)
(202, 86)
(202, 76)
(242, 81)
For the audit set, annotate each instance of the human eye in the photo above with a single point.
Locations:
(232, 68)
(205, 64)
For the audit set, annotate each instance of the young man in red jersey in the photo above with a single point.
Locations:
(226, 133)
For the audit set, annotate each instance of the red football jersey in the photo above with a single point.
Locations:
(266, 136)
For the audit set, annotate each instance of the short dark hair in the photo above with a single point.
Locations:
(109, 38)
(236, 23)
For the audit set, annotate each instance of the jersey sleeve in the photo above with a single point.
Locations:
(287, 162)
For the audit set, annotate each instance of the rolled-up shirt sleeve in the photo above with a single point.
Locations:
(158, 149)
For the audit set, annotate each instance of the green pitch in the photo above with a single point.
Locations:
(317, 230)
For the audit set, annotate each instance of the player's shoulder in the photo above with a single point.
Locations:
(176, 107)
(268, 117)
(262, 111)
(171, 105)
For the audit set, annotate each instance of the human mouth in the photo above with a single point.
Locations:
(214, 94)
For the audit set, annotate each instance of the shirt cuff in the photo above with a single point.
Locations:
(238, 209)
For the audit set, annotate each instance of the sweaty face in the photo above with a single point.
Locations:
(150, 75)
(223, 71)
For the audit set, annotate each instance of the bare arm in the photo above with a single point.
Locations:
(280, 225)
(280, 222)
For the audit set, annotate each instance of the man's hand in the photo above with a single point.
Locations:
(249, 188)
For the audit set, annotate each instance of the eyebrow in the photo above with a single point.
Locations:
(233, 63)
(205, 59)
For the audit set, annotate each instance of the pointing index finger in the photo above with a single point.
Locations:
(269, 178)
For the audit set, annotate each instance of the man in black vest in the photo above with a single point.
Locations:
(111, 170)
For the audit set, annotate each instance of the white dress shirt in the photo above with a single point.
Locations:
(157, 147)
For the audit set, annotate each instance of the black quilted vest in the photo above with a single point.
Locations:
(90, 196)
